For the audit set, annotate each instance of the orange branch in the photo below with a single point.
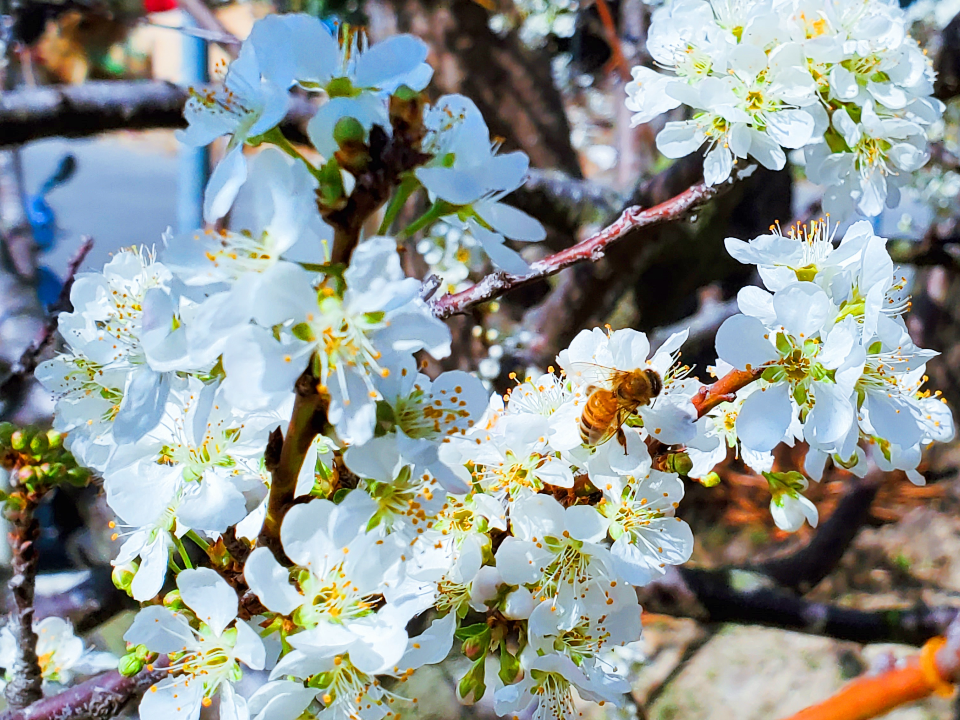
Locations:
(932, 671)
(724, 389)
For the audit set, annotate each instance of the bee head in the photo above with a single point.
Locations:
(656, 384)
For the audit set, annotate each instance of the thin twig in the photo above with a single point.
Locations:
(613, 39)
(591, 249)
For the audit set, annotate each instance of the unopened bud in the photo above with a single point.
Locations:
(476, 647)
(348, 130)
(78, 476)
(173, 600)
(39, 444)
(471, 687)
(18, 440)
(510, 669)
(123, 575)
(130, 665)
(54, 438)
(518, 604)
(711, 479)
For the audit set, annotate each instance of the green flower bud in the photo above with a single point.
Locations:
(348, 130)
(173, 600)
(510, 670)
(405, 93)
(123, 575)
(18, 440)
(471, 687)
(39, 444)
(130, 665)
(476, 646)
(711, 479)
(54, 439)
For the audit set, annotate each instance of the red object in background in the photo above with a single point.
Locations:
(153, 6)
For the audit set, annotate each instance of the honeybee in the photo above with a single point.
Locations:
(612, 396)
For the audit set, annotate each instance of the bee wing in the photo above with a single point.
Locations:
(586, 374)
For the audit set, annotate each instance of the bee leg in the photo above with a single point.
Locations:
(622, 439)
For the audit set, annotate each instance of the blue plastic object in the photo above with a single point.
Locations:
(49, 286)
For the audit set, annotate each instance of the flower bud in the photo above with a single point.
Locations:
(510, 670)
(518, 605)
(39, 444)
(484, 588)
(130, 665)
(123, 575)
(348, 130)
(173, 600)
(472, 687)
(54, 438)
(711, 479)
(78, 476)
(476, 647)
(18, 440)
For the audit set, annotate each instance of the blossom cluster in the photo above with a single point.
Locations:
(518, 525)
(839, 369)
(841, 79)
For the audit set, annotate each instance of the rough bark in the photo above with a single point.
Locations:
(25, 686)
(99, 698)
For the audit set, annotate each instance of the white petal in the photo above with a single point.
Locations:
(764, 418)
(209, 596)
(270, 581)
(585, 523)
(249, 647)
(224, 184)
(678, 139)
(161, 630)
(173, 699)
(741, 342)
(802, 308)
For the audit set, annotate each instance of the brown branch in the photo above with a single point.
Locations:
(95, 107)
(729, 595)
(99, 698)
(591, 249)
(284, 455)
(25, 687)
(724, 390)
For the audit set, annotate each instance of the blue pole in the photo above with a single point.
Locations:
(194, 162)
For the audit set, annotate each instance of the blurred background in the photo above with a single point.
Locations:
(760, 624)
